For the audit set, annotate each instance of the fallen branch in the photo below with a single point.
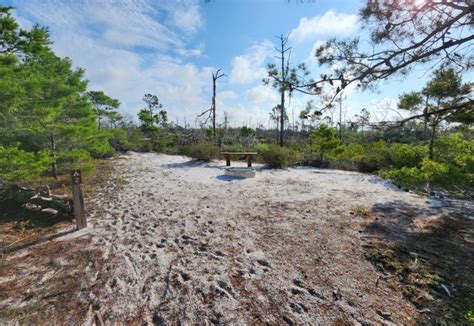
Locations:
(14, 197)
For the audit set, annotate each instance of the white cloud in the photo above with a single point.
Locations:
(263, 94)
(102, 38)
(196, 52)
(225, 95)
(129, 48)
(249, 67)
(121, 22)
(250, 115)
(330, 23)
(316, 45)
(188, 18)
(126, 38)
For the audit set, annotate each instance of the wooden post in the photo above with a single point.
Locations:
(78, 199)
(227, 159)
(249, 160)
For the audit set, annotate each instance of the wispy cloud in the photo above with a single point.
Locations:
(250, 66)
(143, 23)
(129, 48)
(188, 18)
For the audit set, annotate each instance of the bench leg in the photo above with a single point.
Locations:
(227, 160)
(249, 161)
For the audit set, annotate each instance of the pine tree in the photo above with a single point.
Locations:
(434, 101)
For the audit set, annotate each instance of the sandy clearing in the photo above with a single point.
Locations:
(172, 241)
(185, 243)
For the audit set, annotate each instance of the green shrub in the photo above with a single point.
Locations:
(405, 177)
(233, 148)
(361, 210)
(119, 140)
(174, 150)
(324, 143)
(344, 164)
(76, 159)
(470, 316)
(455, 149)
(278, 157)
(375, 158)
(432, 174)
(17, 164)
(351, 152)
(401, 155)
(202, 151)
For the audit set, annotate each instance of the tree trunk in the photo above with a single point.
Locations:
(278, 131)
(425, 118)
(432, 139)
(54, 165)
(340, 118)
(282, 91)
(214, 78)
(433, 132)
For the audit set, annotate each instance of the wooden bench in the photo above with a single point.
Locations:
(248, 155)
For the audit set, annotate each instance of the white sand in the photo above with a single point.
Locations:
(186, 243)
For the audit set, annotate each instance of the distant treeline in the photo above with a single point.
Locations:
(51, 122)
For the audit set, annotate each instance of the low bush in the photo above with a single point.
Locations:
(203, 151)
(401, 155)
(404, 177)
(344, 164)
(120, 142)
(76, 159)
(17, 164)
(431, 174)
(278, 157)
(233, 148)
(376, 156)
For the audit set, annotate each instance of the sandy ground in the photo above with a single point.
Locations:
(192, 245)
(182, 243)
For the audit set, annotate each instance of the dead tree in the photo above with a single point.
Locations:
(212, 110)
(284, 74)
(281, 79)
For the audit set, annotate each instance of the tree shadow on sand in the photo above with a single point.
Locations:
(191, 164)
(31, 218)
(184, 165)
(43, 239)
(229, 178)
(427, 255)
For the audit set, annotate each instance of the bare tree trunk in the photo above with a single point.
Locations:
(213, 106)
(282, 92)
(215, 77)
(212, 110)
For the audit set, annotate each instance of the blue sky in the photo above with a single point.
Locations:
(170, 48)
